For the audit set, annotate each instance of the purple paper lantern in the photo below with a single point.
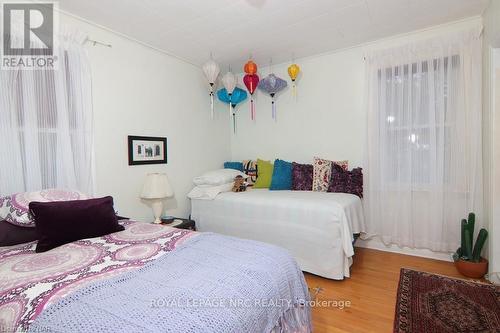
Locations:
(272, 84)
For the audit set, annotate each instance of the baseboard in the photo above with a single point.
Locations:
(377, 244)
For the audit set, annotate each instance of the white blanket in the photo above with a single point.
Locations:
(316, 227)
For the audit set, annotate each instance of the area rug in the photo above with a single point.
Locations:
(433, 303)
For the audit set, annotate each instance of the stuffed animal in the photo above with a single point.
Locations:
(239, 184)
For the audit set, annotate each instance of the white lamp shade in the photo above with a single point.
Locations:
(157, 186)
(211, 70)
(229, 82)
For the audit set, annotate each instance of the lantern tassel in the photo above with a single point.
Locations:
(234, 123)
(274, 110)
(252, 111)
(212, 105)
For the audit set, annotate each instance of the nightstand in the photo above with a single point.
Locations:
(185, 224)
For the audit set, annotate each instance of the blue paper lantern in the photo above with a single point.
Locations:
(238, 96)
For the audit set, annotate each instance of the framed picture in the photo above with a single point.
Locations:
(146, 150)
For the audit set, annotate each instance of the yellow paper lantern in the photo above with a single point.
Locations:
(293, 72)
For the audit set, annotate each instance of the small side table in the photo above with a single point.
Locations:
(187, 224)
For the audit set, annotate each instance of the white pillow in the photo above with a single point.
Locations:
(218, 177)
(209, 192)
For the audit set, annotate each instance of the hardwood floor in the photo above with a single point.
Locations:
(371, 290)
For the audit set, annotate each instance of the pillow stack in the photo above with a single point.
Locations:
(17, 225)
(54, 217)
(321, 176)
(210, 184)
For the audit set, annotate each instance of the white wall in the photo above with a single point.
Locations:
(327, 119)
(491, 132)
(140, 91)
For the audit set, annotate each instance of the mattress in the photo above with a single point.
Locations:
(315, 227)
(30, 282)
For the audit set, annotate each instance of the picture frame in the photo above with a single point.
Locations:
(147, 150)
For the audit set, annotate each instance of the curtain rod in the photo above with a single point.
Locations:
(95, 42)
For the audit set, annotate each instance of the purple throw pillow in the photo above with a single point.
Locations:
(345, 181)
(62, 222)
(12, 234)
(302, 177)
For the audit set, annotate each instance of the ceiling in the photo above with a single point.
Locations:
(279, 30)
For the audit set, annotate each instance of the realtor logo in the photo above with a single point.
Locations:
(28, 35)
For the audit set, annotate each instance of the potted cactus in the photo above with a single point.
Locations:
(468, 260)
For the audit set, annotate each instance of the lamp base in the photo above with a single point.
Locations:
(157, 205)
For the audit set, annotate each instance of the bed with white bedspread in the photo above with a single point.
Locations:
(316, 227)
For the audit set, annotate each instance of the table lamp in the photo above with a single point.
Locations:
(156, 189)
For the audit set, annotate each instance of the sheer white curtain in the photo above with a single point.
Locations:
(46, 124)
(423, 170)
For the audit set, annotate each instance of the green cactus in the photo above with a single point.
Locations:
(467, 250)
(481, 239)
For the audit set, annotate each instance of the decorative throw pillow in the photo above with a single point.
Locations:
(302, 177)
(265, 174)
(346, 181)
(282, 175)
(250, 168)
(59, 223)
(322, 172)
(11, 234)
(344, 164)
(15, 208)
(234, 165)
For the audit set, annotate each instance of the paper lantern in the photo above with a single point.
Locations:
(238, 95)
(272, 84)
(250, 67)
(251, 81)
(293, 72)
(211, 70)
(229, 82)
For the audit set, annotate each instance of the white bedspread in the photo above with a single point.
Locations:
(316, 227)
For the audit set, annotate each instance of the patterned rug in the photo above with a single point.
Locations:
(433, 303)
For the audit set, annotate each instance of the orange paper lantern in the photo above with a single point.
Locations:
(250, 67)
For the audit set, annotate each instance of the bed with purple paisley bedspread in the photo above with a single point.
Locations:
(30, 282)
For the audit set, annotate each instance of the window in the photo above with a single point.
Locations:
(46, 123)
(423, 167)
(416, 118)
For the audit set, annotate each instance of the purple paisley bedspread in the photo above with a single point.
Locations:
(29, 281)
